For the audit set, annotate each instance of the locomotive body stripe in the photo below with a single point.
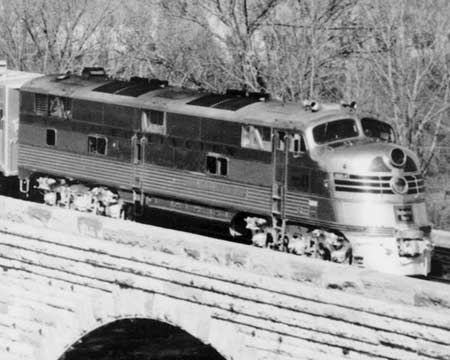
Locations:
(96, 168)
(154, 179)
(303, 209)
(297, 205)
(201, 188)
(177, 184)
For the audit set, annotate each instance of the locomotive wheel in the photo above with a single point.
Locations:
(129, 212)
(238, 229)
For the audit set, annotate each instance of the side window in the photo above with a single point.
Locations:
(51, 137)
(41, 104)
(97, 145)
(60, 107)
(256, 137)
(298, 145)
(153, 121)
(216, 165)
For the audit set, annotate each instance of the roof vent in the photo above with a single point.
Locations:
(93, 72)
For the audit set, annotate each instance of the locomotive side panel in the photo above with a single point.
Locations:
(212, 191)
(184, 126)
(26, 102)
(73, 135)
(221, 132)
(64, 164)
(308, 198)
(79, 148)
(160, 170)
(109, 115)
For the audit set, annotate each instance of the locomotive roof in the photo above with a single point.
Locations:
(270, 113)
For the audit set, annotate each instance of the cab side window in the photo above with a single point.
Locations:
(298, 145)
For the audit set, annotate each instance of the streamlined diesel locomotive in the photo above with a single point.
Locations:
(312, 179)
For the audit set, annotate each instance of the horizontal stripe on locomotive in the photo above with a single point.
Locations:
(217, 191)
(302, 209)
(300, 205)
(378, 184)
(344, 228)
(154, 179)
(92, 168)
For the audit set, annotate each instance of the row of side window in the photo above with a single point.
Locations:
(153, 121)
(96, 144)
(215, 163)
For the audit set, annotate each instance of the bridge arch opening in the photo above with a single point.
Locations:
(139, 339)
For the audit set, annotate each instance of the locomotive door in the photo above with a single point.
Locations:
(10, 130)
(138, 146)
(280, 153)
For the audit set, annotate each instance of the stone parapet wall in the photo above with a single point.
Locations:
(441, 256)
(64, 274)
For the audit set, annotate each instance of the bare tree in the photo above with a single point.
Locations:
(306, 48)
(52, 35)
(235, 28)
(409, 75)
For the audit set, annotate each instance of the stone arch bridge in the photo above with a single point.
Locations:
(63, 275)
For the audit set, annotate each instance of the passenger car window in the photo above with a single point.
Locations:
(335, 130)
(377, 129)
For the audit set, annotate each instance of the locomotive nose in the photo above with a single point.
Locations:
(372, 158)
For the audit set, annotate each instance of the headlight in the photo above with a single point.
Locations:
(397, 157)
(399, 185)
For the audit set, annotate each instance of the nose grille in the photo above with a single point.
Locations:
(377, 184)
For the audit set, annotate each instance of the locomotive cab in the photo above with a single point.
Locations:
(377, 192)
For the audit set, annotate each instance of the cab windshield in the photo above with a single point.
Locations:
(335, 130)
(377, 129)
